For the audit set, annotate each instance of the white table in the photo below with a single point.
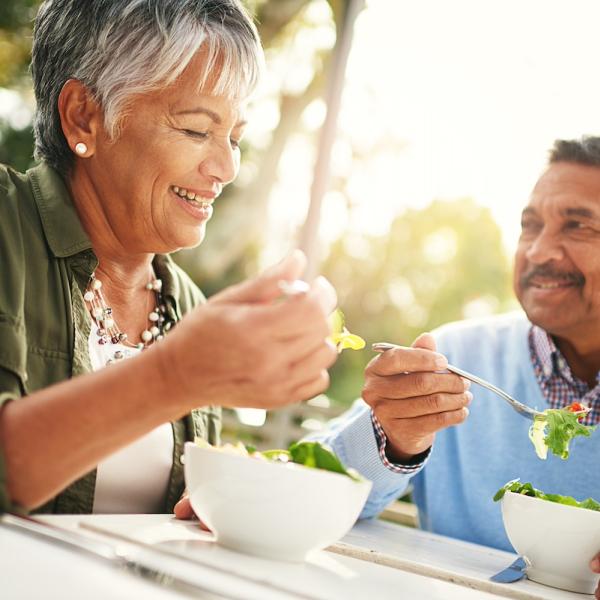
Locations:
(378, 559)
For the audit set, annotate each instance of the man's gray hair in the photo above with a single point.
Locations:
(584, 151)
(121, 48)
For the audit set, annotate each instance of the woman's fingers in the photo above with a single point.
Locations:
(183, 509)
(312, 387)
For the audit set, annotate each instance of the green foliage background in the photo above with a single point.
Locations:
(436, 264)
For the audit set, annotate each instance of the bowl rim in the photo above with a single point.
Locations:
(579, 509)
(289, 466)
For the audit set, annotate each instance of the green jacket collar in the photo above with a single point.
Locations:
(165, 270)
(61, 224)
(66, 236)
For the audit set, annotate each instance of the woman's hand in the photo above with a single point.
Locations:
(248, 347)
(183, 510)
(595, 566)
(411, 400)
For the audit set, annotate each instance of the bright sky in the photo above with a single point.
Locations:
(447, 99)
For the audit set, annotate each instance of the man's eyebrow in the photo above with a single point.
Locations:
(580, 211)
(206, 111)
(528, 211)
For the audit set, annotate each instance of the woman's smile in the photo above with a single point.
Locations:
(196, 204)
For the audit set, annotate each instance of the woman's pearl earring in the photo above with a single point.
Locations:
(80, 148)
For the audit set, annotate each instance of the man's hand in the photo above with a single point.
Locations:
(595, 566)
(248, 347)
(411, 400)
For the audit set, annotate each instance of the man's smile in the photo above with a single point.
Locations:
(551, 284)
(547, 278)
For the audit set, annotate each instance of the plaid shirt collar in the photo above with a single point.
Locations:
(557, 382)
(551, 361)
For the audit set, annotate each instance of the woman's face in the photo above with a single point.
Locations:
(175, 152)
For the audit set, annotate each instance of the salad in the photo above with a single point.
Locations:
(340, 336)
(554, 428)
(528, 490)
(309, 454)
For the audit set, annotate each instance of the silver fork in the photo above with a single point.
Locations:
(522, 409)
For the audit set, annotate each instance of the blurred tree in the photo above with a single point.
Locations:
(235, 234)
(439, 264)
(15, 39)
(16, 137)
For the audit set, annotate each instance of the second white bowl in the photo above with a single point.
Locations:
(557, 540)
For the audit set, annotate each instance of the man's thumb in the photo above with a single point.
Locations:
(265, 287)
(425, 341)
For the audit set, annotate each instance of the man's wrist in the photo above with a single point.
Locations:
(412, 466)
(407, 460)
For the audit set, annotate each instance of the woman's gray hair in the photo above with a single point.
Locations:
(122, 48)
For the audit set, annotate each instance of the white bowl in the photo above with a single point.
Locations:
(269, 509)
(556, 540)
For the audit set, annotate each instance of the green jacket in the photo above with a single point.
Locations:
(46, 260)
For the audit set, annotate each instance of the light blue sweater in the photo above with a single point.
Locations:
(470, 462)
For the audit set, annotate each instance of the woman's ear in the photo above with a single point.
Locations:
(80, 117)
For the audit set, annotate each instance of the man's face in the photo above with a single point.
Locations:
(557, 263)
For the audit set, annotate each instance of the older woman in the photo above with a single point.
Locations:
(140, 112)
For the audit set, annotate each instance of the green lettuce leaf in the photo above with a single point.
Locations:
(554, 429)
(537, 435)
(308, 454)
(318, 456)
(340, 336)
(563, 426)
(527, 489)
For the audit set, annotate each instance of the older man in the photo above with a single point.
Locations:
(402, 431)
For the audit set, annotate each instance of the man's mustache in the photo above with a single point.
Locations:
(548, 271)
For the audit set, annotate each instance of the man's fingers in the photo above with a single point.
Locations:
(431, 424)
(412, 385)
(425, 341)
(406, 360)
(389, 409)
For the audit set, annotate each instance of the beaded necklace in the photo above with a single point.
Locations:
(108, 330)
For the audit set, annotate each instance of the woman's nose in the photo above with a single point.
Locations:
(223, 163)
